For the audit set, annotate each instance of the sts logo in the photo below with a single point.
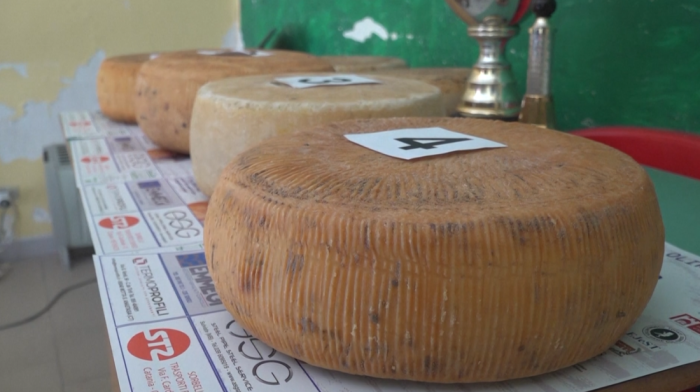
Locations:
(158, 344)
(119, 222)
(90, 159)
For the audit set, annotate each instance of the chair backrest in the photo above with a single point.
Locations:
(676, 152)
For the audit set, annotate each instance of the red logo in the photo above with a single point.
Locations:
(84, 123)
(119, 222)
(94, 159)
(688, 321)
(140, 261)
(158, 344)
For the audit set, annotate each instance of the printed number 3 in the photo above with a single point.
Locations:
(324, 80)
(414, 143)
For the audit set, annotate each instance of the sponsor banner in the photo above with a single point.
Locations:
(166, 357)
(110, 199)
(202, 337)
(190, 276)
(174, 226)
(243, 362)
(85, 125)
(138, 290)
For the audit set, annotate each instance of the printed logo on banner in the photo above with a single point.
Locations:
(664, 334)
(140, 261)
(90, 159)
(158, 344)
(119, 222)
(622, 349)
(183, 225)
(266, 369)
(688, 321)
(196, 265)
(644, 343)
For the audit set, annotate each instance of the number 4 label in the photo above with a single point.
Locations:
(420, 142)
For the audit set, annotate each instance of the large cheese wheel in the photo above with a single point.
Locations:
(167, 86)
(451, 81)
(116, 81)
(231, 115)
(472, 266)
(364, 63)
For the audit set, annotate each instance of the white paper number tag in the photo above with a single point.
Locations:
(233, 53)
(420, 142)
(325, 80)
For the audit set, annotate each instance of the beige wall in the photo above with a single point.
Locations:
(49, 55)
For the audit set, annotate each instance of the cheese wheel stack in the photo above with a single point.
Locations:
(116, 81)
(232, 115)
(451, 81)
(167, 86)
(472, 266)
(364, 63)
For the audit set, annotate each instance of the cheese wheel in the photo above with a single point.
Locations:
(364, 63)
(231, 115)
(467, 267)
(116, 81)
(451, 81)
(167, 86)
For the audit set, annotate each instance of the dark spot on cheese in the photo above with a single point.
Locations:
(295, 263)
(184, 125)
(621, 314)
(521, 348)
(166, 107)
(142, 117)
(429, 364)
(154, 92)
(374, 317)
(308, 326)
(394, 283)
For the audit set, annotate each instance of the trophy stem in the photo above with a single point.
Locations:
(491, 91)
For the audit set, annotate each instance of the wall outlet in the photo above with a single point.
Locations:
(8, 195)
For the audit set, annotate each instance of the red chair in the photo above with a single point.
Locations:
(672, 151)
(676, 152)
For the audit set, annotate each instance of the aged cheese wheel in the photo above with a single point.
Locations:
(116, 81)
(451, 81)
(231, 115)
(167, 86)
(473, 266)
(364, 63)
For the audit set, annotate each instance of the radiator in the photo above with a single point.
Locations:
(70, 229)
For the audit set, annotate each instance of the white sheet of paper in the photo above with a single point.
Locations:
(325, 80)
(420, 142)
(224, 52)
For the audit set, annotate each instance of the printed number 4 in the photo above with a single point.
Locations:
(414, 143)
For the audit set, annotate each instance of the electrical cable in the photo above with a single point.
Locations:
(48, 306)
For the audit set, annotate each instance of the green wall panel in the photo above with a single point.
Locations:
(632, 62)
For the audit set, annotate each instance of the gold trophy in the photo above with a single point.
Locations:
(491, 91)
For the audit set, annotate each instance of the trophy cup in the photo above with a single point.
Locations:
(491, 89)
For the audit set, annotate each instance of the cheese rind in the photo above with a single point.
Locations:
(231, 115)
(364, 63)
(116, 82)
(167, 86)
(451, 81)
(468, 267)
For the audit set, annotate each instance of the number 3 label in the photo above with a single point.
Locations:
(420, 142)
(324, 80)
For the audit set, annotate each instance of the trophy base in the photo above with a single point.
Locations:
(491, 88)
(538, 110)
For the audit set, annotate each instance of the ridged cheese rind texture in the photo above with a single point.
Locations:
(166, 87)
(467, 267)
(231, 115)
(451, 81)
(364, 63)
(116, 82)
